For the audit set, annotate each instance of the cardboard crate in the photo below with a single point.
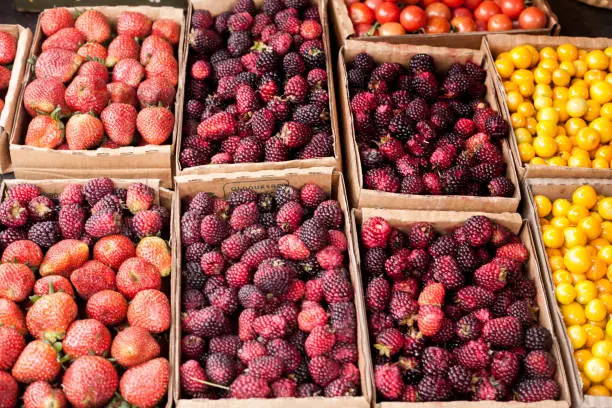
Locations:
(360, 196)
(343, 28)
(163, 197)
(11, 95)
(444, 221)
(498, 43)
(217, 7)
(553, 189)
(130, 161)
(266, 181)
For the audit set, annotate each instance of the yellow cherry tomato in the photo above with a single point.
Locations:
(542, 76)
(609, 328)
(597, 59)
(585, 291)
(596, 369)
(517, 120)
(588, 138)
(574, 237)
(603, 286)
(594, 334)
(526, 89)
(526, 109)
(567, 52)
(568, 66)
(606, 111)
(602, 348)
(521, 76)
(521, 57)
(585, 196)
(559, 105)
(581, 68)
(601, 91)
(576, 107)
(561, 92)
(560, 207)
(576, 213)
(562, 276)
(573, 314)
(581, 356)
(565, 293)
(590, 226)
(606, 298)
(543, 205)
(593, 108)
(510, 86)
(595, 310)
(607, 383)
(505, 67)
(573, 125)
(514, 99)
(598, 390)
(604, 254)
(553, 237)
(594, 75)
(560, 77)
(522, 134)
(577, 336)
(543, 90)
(548, 52)
(604, 127)
(526, 152)
(548, 64)
(604, 208)
(578, 90)
(556, 262)
(541, 102)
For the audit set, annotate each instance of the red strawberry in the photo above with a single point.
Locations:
(12, 316)
(168, 29)
(217, 126)
(94, 69)
(122, 93)
(135, 275)
(92, 278)
(5, 77)
(37, 362)
(92, 51)
(94, 26)
(64, 257)
(12, 344)
(45, 131)
(54, 19)
(44, 96)
(8, 48)
(150, 309)
(155, 124)
(145, 385)
(67, 39)
(86, 337)
(8, 390)
(90, 381)
(432, 294)
(129, 71)
(153, 91)
(156, 251)
(430, 319)
(84, 131)
(122, 47)
(133, 24)
(41, 394)
(16, 281)
(50, 316)
(133, 346)
(53, 283)
(163, 65)
(119, 120)
(112, 250)
(154, 44)
(57, 64)
(291, 247)
(107, 306)
(23, 251)
(85, 94)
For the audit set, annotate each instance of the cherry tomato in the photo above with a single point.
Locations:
(512, 8)
(349, 2)
(481, 25)
(472, 4)
(437, 25)
(362, 30)
(486, 10)
(413, 18)
(532, 17)
(361, 14)
(425, 3)
(454, 3)
(461, 12)
(463, 24)
(387, 12)
(438, 10)
(391, 28)
(373, 4)
(499, 22)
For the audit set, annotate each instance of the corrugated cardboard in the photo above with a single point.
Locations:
(553, 189)
(216, 7)
(444, 221)
(132, 161)
(164, 198)
(361, 197)
(266, 181)
(7, 115)
(496, 44)
(39, 5)
(343, 28)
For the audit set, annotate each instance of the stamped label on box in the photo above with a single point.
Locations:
(263, 186)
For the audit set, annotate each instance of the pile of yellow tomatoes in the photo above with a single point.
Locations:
(560, 101)
(577, 234)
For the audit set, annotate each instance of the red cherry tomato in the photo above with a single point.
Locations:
(472, 4)
(499, 22)
(349, 2)
(387, 12)
(391, 28)
(361, 14)
(463, 24)
(425, 3)
(481, 25)
(461, 12)
(486, 10)
(413, 18)
(363, 30)
(454, 3)
(512, 8)
(532, 17)
(373, 4)
(437, 25)
(438, 10)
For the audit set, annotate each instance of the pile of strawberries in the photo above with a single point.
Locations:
(453, 316)
(81, 281)
(8, 48)
(93, 89)
(257, 86)
(421, 133)
(267, 299)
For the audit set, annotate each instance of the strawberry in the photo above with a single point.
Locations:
(119, 120)
(67, 39)
(123, 46)
(54, 19)
(44, 96)
(92, 278)
(5, 77)
(94, 69)
(12, 316)
(155, 124)
(133, 24)
(107, 306)
(135, 275)
(163, 65)
(90, 381)
(41, 394)
(156, 251)
(112, 250)
(45, 131)
(37, 362)
(217, 126)
(150, 309)
(432, 294)
(133, 346)
(53, 283)
(84, 131)
(86, 94)
(64, 257)
(92, 51)
(94, 26)
(129, 71)
(291, 247)
(430, 319)
(16, 281)
(86, 337)
(8, 390)
(152, 45)
(12, 344)
(57, 64)
(24, 252)
(8, 48)
(50, 316)
(145, 385)
(154, 91)
(122, 93)
(168, 29)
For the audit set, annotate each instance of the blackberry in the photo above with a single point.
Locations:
(293, 64)
(239, 43)
(310, 266)
(364, 61)
(412, 185)
(485, 172)
(275, 150)
(501, 187)
(244, 6)
(330, 213)
(205, 41)
(442, 246)
(202, 204)
(194, 109)
(538, 338)
(456, 68)
(97, 188)
(228, 68)
(221, 22)
(314, 234)
(241, 196)
(401, 99)
(219, 56)
(371, 158)
(321, 145)
(10, 235)
(314, 57)
(266, 203)
(461, 379)
(192, 273)
(193, 157)
(297, 4)
(421, 63)
(456, 85)
(272, 7)
(250, 150)
(44, 234)
(466, 258)
(435, 388)
(461, 109)
(121, 193)
(247, 78)
(201, 19)
(475, 72)
(311, 115)
(286, 193)
(267, 219)
(425, 84)
(267, 61)
(401, 126)
(418, 109)
(454, 179)
(312, 13)
(194, 252)
(320, 96)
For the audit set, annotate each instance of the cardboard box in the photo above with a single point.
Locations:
(266, 181)
(217, 7)
(11, 95)
(360, 196)
(553, 189)
(443, 221)
(164, 198)
(343, 28)
(496, 44)
(131, 161)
